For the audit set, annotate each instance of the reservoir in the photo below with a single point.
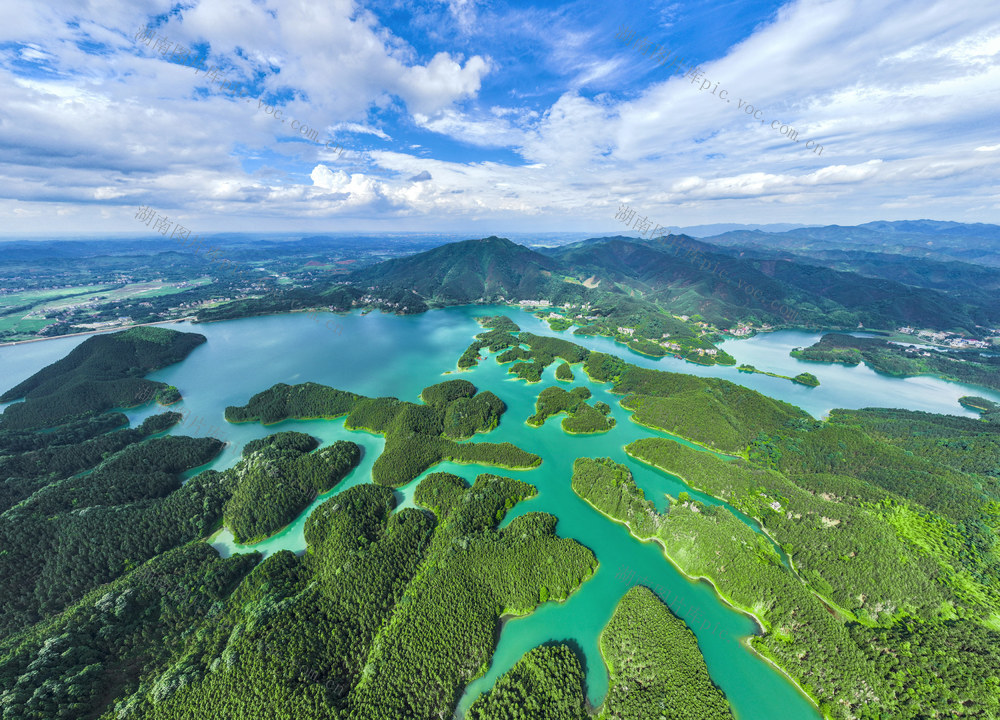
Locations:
(378, 355)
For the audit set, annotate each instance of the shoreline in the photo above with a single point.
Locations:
(188, 318)
(730, 603)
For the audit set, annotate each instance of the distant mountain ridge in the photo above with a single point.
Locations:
(677, 273)
(977, 243)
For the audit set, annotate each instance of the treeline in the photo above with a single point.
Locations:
(656, 667)
(279, 477)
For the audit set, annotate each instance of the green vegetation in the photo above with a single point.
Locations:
(582, 418)
(101, 373)
(801, 378)
(32, 469)
(113, 607)
(655, 665)
(978, 403)
(609, 487)
(515, 353)
(168, 395)
(498, 337)
(416, 436)
(281, 402)
(69, 537)
(564, 372)
(279, 477)
(847, 554)
(547, 683)
(559, 324)
(530, 371)
(445, 625)
(714, 412)
(710, 542)
(601, 284)
(903, 361)
(989, 409)
(830, 658)
(109, 642)
(587, 419)
(499, 322)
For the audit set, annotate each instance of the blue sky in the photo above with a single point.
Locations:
(486, 117)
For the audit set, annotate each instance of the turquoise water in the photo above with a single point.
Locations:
(378, 354)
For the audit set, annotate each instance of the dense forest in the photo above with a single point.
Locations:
(114, 606)
(386, 616)
(581, 416)
(655, 665)
(610, 488)
(498, 336)
(416, 436)
(547, 683)
(890, 516)
(99, 374)
(885, 601)
(279, 477)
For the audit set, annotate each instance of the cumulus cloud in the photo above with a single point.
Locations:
(428, 89)
(894, 91)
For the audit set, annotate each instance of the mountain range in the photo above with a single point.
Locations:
(685, 275)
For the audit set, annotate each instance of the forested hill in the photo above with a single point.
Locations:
(680, 270)
(466, 271)
(101, 373)
(674, 273)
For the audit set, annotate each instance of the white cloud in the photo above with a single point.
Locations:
(363, 129)
(898, 93)
(431, 88)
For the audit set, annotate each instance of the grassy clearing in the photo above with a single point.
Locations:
(25, 326)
